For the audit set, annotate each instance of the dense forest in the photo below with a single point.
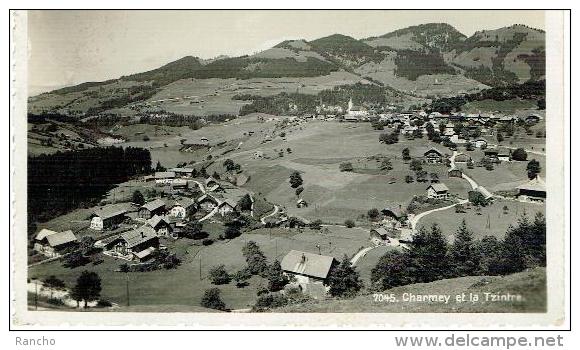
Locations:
(63, 181)
(412, 64)
(531, 90)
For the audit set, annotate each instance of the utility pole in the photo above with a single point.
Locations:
(36, 295)
(200, 268)
(127, 288)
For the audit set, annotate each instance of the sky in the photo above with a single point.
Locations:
(70, 47)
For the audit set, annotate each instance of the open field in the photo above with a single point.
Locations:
(530, 284)
(183, 286)
(449, 220)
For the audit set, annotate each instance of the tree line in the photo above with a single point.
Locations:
(63, 181)
(431, 258)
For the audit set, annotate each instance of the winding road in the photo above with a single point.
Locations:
(274, 212)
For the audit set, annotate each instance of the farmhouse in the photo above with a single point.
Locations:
(438, 191)
(135, 244)
(504, 157)
(491, 153)
(107, 217)
(308, 268)
(52, 244)
(379, 236)
(179, 184)
(534, 190)
(155, 207)
(479, 143)
(182, 172)
(183, 208)
(211, 184)
(433, 155)
(197, 142)
(207, 202)
(226, 207)
(393, 213)
(532, 119)
(160, 225)
(164, 177)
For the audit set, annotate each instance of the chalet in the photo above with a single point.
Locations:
(179, 184)
(182, 172)
(301, 203)
(182, 208)
(136, 244)
(308, 269)
(504, 157)
(491, 153)
(534, 190)
(164, 177)
(437, 191)
(107, 217)
(462, 158)
(480, 143)
(207, 202)
(433, 156)
(226, 207)
(454, 172)
(52, 244)
(393, 213)
(532, 119)
(149, 209)
(160, 225)
(379, 236)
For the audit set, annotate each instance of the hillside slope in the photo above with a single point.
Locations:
(531, 285)
(425, 61)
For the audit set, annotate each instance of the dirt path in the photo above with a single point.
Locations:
(415, 219)
(209, 215)
(263, 219)
(360, 254)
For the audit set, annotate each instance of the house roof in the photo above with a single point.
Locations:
(207, 197)
(179, 182)
(535, 184)
(184, 202)
(381, 231)
(229, 202)
(144, 253)
(438, 187)
(61, 238)
(431, 150)
(109, 212)
(164, 174)
(156, 220)
(138, 236)
(154, 204)
(210, 179)
(44, 233)
(181, 170)
(394, 210)
(307, 264)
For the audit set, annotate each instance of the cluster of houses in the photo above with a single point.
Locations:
(140, 229)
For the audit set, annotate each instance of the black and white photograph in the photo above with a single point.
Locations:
(224, 164)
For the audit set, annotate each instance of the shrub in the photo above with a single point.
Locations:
(219, 275)
(519, 154)
(207, 241)
(212, 300)
(55, 301)
(270, 301)
(104, 303)
(349, 223)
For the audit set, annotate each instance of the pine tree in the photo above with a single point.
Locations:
(276, 278)
(392, 270)
(513, 258)
(429, 261)
(344, 280)
(463, 255)
(489, 256)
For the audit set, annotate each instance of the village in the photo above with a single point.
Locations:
(219, 195)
